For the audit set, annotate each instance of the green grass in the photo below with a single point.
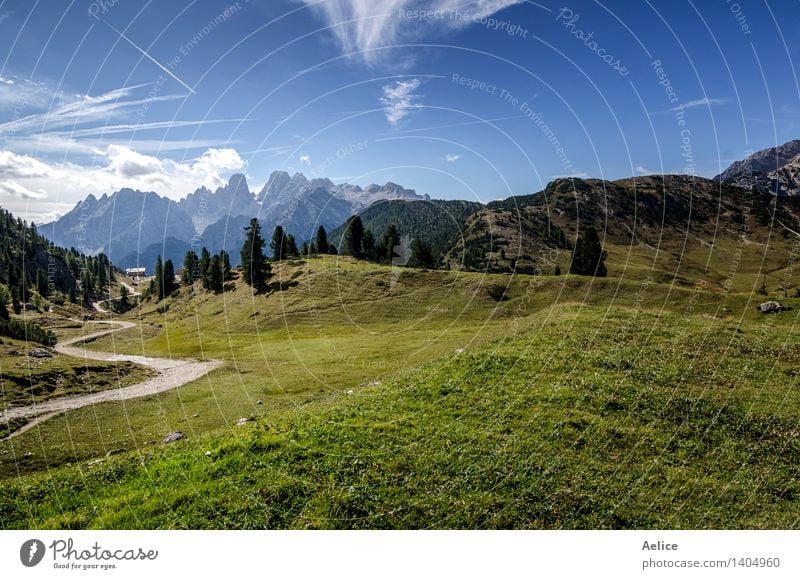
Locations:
(579, 418)
(26, 379)
(386, 398)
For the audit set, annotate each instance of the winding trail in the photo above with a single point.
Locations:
(172, 373)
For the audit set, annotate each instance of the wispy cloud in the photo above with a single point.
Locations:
(362, 26)
(399, 99)
(693, 104)
(14, 189)
(452, 158)
(305, 159)
(703, 102)
(5, 16)
(84, 110)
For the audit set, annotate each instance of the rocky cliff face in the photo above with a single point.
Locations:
(775, 170)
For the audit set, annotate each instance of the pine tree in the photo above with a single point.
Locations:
(588, 258)
(291, 246)
(321, 241)
(190, 268)
(390, 240)
(169, 277)
(368, 245)
(278, 244)
(255, 267)
(123, 299)
(203, 266)
(421, 255)
(42, 285)
(159, 279)
(217, 273)
(226, 264)
(354, 237)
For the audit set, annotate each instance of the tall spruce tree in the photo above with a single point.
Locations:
(159, 279)
(291, 246)
(169, 277)
(217, 274)
(390, 240)
(354, 237)
(279, 245)
(588, 258)
(191, 267)
(322, 240)
(421, 255)
(255, 267)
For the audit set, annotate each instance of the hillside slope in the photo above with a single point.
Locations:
(671, 227)
(581, 418)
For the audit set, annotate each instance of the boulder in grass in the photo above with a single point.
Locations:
(173, 436)
(242, 421)
(772, 307)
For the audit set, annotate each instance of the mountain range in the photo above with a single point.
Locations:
(775, 170)
(134, 227)
(690, 227)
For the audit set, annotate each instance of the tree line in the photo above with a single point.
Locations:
(358, 242)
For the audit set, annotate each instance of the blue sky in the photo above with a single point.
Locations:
(471, 99)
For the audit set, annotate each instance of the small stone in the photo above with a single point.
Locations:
(208, 453)
(259, 402)
(242, 421)
(173, 436)
(39, 353)
(772, 307)
(114, 451)
(196, 416)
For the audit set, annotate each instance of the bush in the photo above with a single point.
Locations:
(26, 331)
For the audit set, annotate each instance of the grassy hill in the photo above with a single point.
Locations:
(579, 417)
(672, 228)
(386, 397)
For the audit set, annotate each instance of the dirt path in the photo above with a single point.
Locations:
(172, 373)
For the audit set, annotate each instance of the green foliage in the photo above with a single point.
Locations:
(389, 241)
(421, 255)
(278, 245)
(582, 417)
(23, 330)
(588, 258)
(191, 268)
(437, 222)
(321, 242)
(255, 267)
(353, 240)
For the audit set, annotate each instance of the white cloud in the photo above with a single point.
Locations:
(13, 165)
(127, 163)
(5, 16)
(644, 170)
(305, 159)
(703, 102)
(366, 25)
(399, 100)
(115, 167)
(452, 158)
(14, 189)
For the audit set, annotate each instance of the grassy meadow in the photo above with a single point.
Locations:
(391, 398)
